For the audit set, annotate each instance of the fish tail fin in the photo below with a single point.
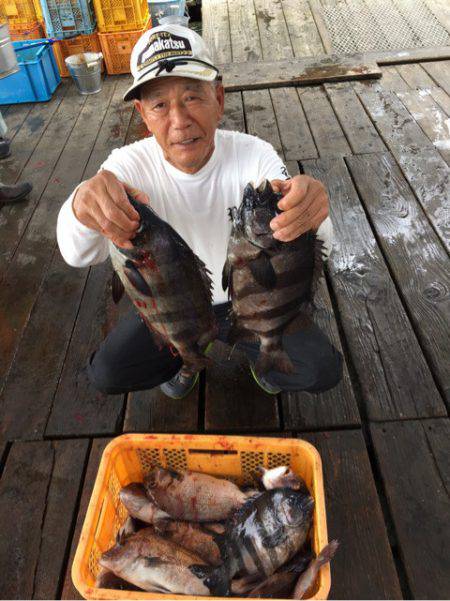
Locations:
(327, 552)
(216, 579)
(276, 359)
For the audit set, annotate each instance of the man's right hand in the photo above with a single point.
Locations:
(101, 204)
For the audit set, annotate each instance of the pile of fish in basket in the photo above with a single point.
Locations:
(195, 534)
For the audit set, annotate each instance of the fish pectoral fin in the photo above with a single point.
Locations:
(215, 578)
(263, 271)
(154, 562)
(117, 288)
(136, 279)
(226, 276)
(274, 539)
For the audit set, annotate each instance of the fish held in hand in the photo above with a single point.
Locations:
(193, 496)
(139, 506)
(271, 284)
(307, 579)
(267, 532)
(170, 287)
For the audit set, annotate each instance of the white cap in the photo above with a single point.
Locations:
(169, 50)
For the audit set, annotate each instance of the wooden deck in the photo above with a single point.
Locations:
(382, 149)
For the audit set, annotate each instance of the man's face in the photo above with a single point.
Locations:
(183, 115)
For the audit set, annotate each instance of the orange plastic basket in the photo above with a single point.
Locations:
(33, 33)
(65, 48)
(120, 15)
(129, 457)
(117, 47)
(21, 14)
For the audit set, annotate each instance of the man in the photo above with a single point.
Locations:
(191, 173)
(10, 194)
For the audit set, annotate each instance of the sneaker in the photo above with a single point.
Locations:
(180, 385)
(263, 383)
(10, 194)
(4, 148)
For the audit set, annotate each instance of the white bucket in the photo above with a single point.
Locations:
(86, 70)
(8, 60)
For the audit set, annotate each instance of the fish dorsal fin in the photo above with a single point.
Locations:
(205, 275)
(263, 271)
(117, 288)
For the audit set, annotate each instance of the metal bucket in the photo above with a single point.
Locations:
(8, 60)
(86, 70)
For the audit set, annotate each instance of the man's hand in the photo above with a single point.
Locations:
(101, 204)
(304, 205)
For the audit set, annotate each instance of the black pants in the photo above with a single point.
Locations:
(128, 359)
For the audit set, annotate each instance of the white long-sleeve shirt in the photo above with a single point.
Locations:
(195, 205)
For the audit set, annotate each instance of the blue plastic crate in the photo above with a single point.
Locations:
(37, 78)
(67, 18)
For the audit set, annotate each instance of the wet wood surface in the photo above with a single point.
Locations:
(383, 304)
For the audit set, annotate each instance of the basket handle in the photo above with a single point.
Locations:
(49, 42)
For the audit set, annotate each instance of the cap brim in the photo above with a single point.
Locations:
(193, 70)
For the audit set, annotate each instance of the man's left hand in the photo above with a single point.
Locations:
(304, 206)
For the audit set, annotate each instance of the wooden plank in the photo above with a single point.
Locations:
(233, 400)
(327, 132)
(244, 33)
(355, 518)
(415, 76)
(413, 460)
(359, 130)
(27, 396)
(273, 32)
(293, 72)
(440, 97)
(302, 28)
(334, 408)
(28, 136)
(260, 117)
(15, 218)
(412, 55)
(216, 30)
(395, 380)
(98, 445)
(321, 25)
(38, 495)
(14, 117)
(423, 167)
(440, 72)
(431, 118)
(137, 129)
(153, 411)
(31, 261)
(78, 409)
(416, 258)
(392, 81)
(296, 138)
(233, 117)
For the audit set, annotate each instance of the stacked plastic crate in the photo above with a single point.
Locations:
(73, 24)
(120, 24)
(24, 19)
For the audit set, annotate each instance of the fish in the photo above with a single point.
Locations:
(266, 532)
(155, 564)
(271, 284)
(281, 583)
(106, 579)
(281, 477)
(170, 287)
(139, 506)
(193, 496)
(193, 537)
(307, 579)
(129, 527)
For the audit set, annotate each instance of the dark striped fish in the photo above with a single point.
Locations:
(170, 287)
(266, 532)
(271, 284)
